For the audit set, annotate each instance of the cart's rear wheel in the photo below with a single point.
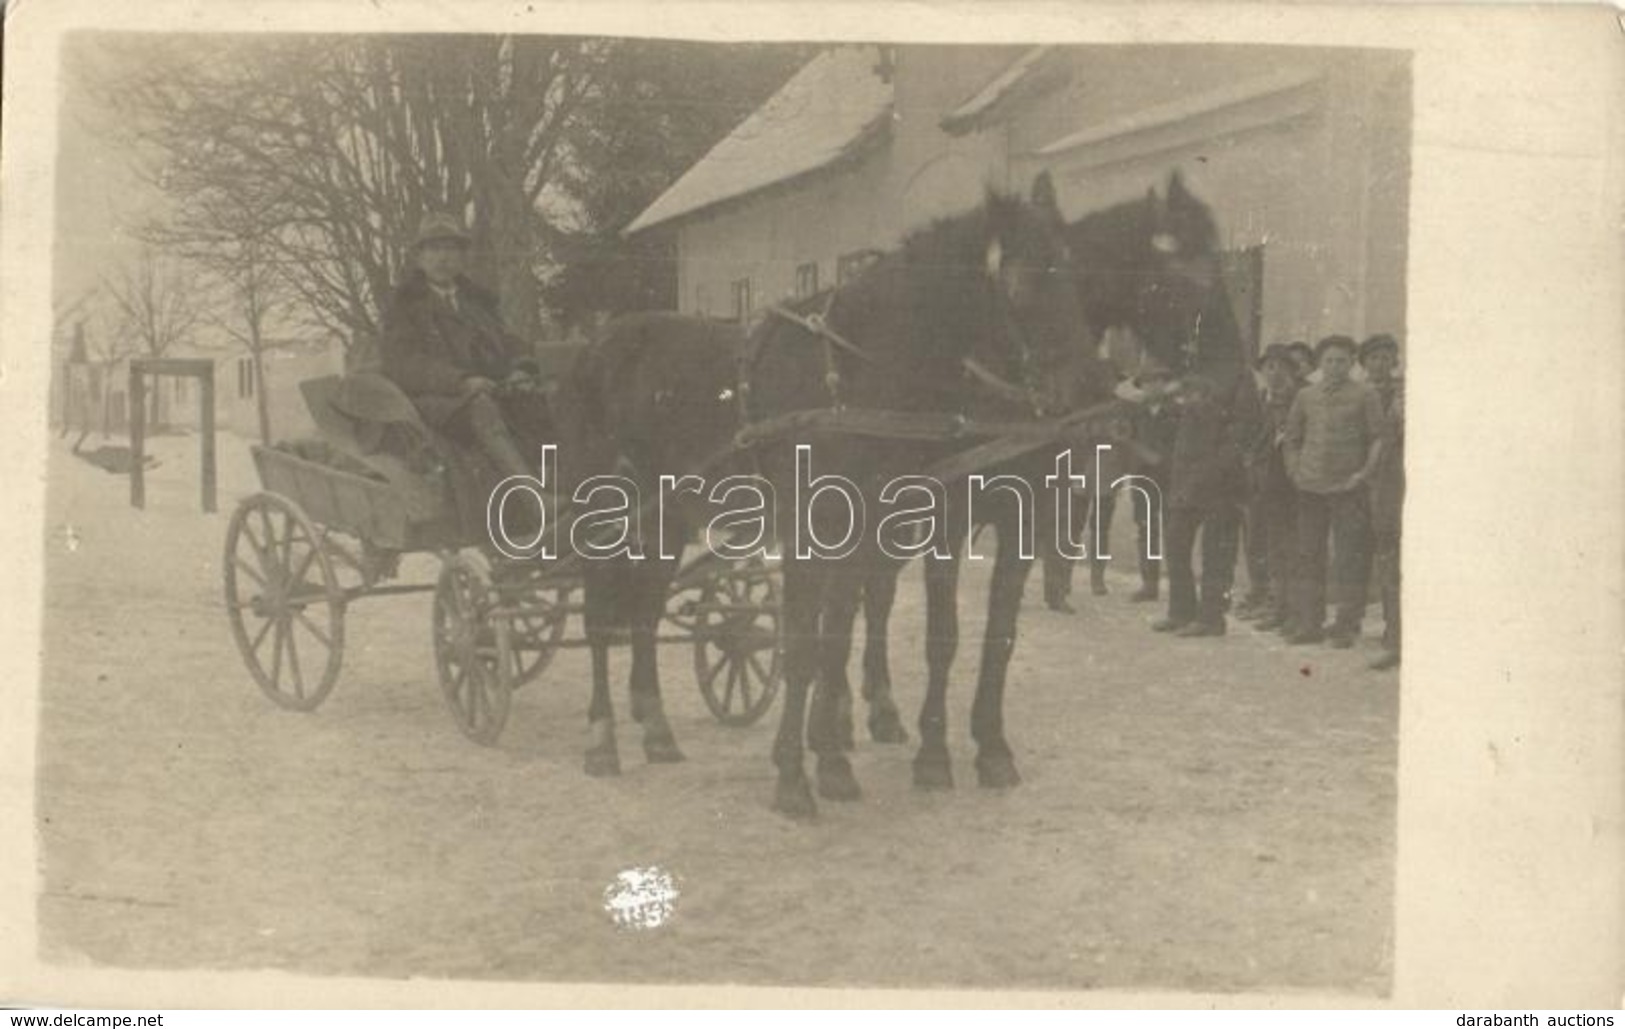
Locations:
(736, 643)
(284, 601)
(472, 650)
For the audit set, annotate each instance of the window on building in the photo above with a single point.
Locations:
(741, 291)
(245, 377)
(851, 265)
(807, 279)
(702, 299)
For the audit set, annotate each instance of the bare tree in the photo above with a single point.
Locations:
(341, 144)
(256, 298)
(254, 293)
(157, 303)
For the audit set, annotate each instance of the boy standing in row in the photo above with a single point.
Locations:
(1273, 506)
(1332, 444)
(1379, 356)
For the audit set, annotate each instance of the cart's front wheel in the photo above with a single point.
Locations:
(540, 611)
(736, 643)
(284, 601)
(472, 650)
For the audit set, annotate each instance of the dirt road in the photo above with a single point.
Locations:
(1197, 814)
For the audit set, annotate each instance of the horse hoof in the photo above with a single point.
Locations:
(662, 751)
(886, 727)
(1098, 589)
(846, 735)
(836, 781)
(933, 773)
(997, 772)
(794, 800)
(603, 764)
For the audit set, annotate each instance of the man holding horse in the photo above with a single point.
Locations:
(1206, 493)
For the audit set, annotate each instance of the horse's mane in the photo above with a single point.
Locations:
(1111, 249)
(940, 272)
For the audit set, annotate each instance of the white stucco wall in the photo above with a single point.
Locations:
(1304, 152)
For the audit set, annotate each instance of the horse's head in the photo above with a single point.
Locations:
(1149, 275)
(1043, 342)
(1182, 233)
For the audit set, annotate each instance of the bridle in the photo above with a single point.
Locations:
(1021, 389)
(1020, 386)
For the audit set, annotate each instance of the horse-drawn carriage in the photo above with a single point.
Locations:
(966, 355)
(336, 516)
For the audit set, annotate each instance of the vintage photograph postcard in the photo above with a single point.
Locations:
(917, 503)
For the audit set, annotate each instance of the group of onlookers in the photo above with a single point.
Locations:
(1304, 460)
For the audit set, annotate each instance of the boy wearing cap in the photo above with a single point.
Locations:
(1332, 444)
(1303, 360)
(444, 344)
(1379, 356)
(1272, 508)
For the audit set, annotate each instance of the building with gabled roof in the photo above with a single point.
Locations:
(1303, 153)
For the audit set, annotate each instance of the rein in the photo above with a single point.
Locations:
(1003, 439)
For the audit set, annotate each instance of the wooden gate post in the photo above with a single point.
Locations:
(138, 430)
(207, 377)
(200, 368)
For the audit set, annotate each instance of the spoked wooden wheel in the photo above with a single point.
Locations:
(472, 650)
(540, 613)
(736, 643)
(284, 601)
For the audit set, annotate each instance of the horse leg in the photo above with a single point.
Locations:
(995, 765)
(932, 768)
(1097, 559)
(879, 595)
(603, 759)
(824, 729)
(837, 691)
(659, 744)
(793, 796)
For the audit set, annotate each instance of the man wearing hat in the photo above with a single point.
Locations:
(1272, 503)
(444, 344)
(1206, 493)
(1379, 356)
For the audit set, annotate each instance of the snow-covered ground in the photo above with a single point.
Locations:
(1196, 814)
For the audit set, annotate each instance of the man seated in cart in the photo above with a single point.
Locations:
(445, 346)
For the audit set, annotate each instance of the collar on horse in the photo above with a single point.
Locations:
(1026, 394)
(817, 324)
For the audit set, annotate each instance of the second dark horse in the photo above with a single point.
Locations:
(982, 303)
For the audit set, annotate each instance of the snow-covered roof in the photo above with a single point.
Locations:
(829, 110)
(1034, 72)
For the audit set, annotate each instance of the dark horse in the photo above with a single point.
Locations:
(1149, 269)
(652, 396)
(1151, 266)
(971, 307)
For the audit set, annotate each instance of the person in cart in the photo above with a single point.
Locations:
(445, 346)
